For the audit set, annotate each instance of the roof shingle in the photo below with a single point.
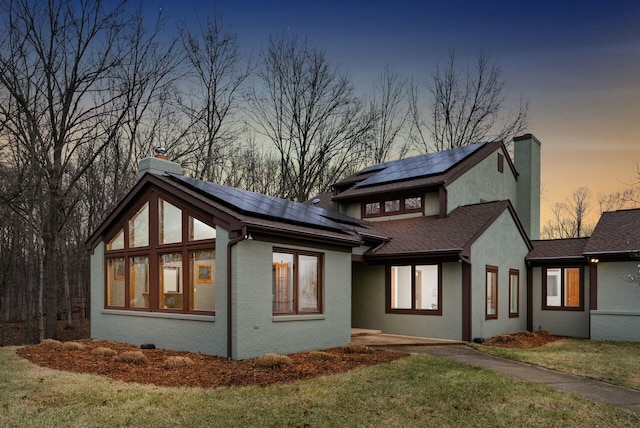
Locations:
(617, 232)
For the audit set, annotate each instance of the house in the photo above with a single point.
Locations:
(443, 245)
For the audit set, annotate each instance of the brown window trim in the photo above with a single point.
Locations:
(390, 310)
(154, 250)
(402, 209)
(494, 269)
(295, 254)
(516, 273)
(545, 307)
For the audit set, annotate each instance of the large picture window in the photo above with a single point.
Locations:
(563, 288)
(491, 312)
(414, 289)
(296, 282)
(161, 258)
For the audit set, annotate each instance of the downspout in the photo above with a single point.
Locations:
(230, 244)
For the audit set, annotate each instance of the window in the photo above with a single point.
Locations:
(500, 163)
(296, 282)
(514, 293)
(393, 206)
(491, 293)
(562, 288)
(372, 209)
(161, 258)
(414, 289)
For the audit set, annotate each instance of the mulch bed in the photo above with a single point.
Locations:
(523, 339)
(207, 371)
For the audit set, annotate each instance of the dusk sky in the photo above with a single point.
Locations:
(577, 62)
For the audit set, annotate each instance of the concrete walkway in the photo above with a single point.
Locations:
(463, 353)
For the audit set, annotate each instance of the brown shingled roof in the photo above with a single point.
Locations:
(617, 232)
(558, 249)
(453, 234)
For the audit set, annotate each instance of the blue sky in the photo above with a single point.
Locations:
(577, 62)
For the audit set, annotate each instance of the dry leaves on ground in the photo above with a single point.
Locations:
(205, 371)
(523, 339)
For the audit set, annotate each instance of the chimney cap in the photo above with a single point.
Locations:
(159, 150)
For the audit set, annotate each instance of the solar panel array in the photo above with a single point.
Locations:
(269, 207)
(417, 166)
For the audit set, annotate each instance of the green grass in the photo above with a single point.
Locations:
(613, 362)
(416, 391)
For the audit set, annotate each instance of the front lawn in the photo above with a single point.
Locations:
(614, 362)
(416, 391)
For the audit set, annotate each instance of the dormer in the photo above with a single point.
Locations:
(437, 183)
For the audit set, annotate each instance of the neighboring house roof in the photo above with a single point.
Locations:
(453, 235)
(617, 233)
(427, 170)
(557, 250)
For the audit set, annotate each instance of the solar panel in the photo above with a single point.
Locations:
(417, 166)
(270, 207)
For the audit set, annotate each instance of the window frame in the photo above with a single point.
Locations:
(412, 311)
(561, 289)
(154, 251)
(383, 202)
(514, 273)
(320, 269)
(495, 287)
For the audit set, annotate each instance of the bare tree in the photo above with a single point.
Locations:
(311, 115)
(466, 108)
(390, 115)
(570, 217)
(623, 199)
(64, 101)
(215, 75)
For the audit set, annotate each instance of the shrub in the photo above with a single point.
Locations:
(133, 357)
(273, 361)
(51, 343)
(353, 348)
(177, 362)
(323, 356)
(72, 346)
(105, 352)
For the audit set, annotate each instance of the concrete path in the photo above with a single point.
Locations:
(595, 390)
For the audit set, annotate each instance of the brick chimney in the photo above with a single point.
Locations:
(526, 151)
(158, 164)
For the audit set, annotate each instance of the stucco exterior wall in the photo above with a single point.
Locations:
(483, 182)
(618, 313)
(369, 305)
(256, 331)
(500, 245)
(195, 333)
(563, 323)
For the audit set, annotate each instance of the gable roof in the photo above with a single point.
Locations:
(557, 250)
(617, 233)
(270, 207)
(421, 171)
(452, 235)
(235, 208)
